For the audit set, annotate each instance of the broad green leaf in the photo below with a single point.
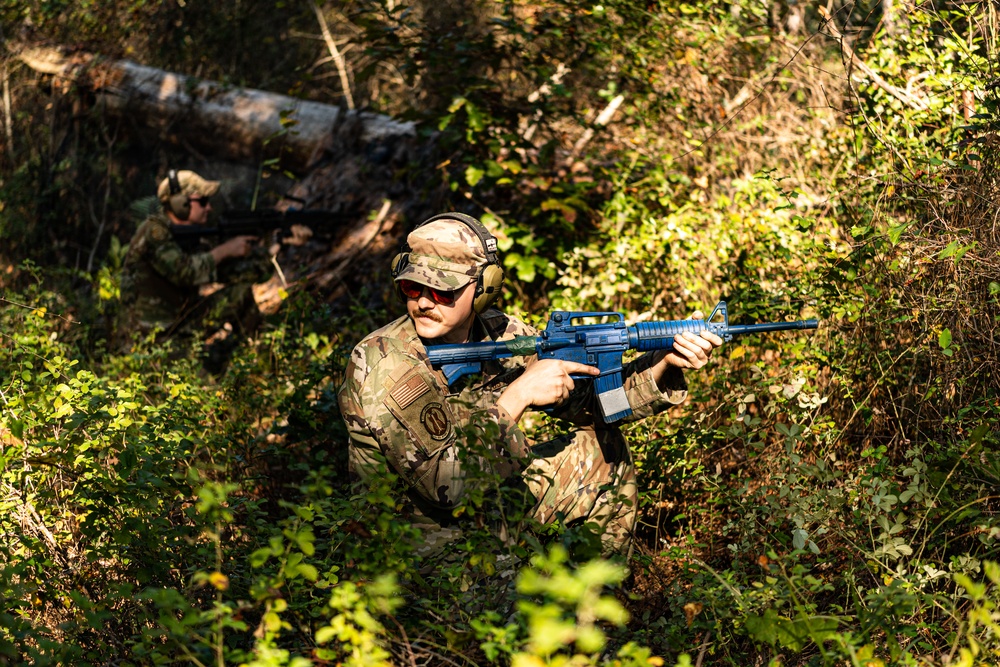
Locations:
(950, 250)
(325, 634)
(473, 175)
(799, 538)
(896, 231)
(944, 339)
(979, 432)
(992, 571)
(259, 557)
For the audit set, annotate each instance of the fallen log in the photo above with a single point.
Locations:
(238, 123)
(368, 169)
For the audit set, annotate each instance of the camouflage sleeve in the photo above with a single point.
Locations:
(181, 268)
(394, 407)
(645, 397)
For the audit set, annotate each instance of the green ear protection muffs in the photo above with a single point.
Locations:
(178, 203)
(489, 282)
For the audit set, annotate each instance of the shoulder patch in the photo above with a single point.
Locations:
(436, 421)
(405, 393)
(159, 233)
(421, 411)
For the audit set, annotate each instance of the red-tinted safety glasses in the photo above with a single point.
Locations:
(412, 290)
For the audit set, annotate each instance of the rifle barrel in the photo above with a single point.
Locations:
(741, 329)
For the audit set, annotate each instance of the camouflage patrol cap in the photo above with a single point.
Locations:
(444, 254)
(190, 184)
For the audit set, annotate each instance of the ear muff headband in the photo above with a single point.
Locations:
(489, 281)
(178, 203)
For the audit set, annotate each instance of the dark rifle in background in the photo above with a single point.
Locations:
(260, 222)
(601, 345)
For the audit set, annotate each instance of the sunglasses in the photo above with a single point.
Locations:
(201, 201)
(412, 290)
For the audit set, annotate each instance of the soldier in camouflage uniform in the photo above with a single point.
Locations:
(162, 284)
(401, 411)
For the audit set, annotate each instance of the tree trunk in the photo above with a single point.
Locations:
(238, 123)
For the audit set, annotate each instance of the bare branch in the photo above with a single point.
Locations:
(335, 52)
(912, 101)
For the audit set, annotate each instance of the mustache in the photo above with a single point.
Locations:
(427, 316)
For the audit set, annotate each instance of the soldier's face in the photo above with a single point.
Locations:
(200, 207)
(447, 323)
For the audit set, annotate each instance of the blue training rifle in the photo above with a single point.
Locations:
(601, 345)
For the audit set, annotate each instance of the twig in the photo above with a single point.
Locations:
(335, 52)
(7, 122)
(545, 89)
(602, 120)
(703, 650)
(281, 274)
(107, 197)
(406, 641)
(853, 60)
(32, 520)
(30, 307)
(98, 235)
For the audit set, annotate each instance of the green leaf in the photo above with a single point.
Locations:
(477, 121)
(975, 590)
(325, 634)
(473, 175)
(259, 557)
(799, 538)
(964, 249)
(950, 250)
(979, 432)
(992, 571)
(944, 339)
(526, 269)
(896, 231)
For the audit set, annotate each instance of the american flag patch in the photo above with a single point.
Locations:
(406, 392)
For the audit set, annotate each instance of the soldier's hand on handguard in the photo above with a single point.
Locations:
(689, 351)
(544, 383)
(238, 246)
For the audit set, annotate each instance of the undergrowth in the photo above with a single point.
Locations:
(823, 498)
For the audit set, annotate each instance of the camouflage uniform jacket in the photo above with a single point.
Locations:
(397, 408)
(159, 279)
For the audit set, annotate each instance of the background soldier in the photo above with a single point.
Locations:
(168, 289)
(401, 411)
